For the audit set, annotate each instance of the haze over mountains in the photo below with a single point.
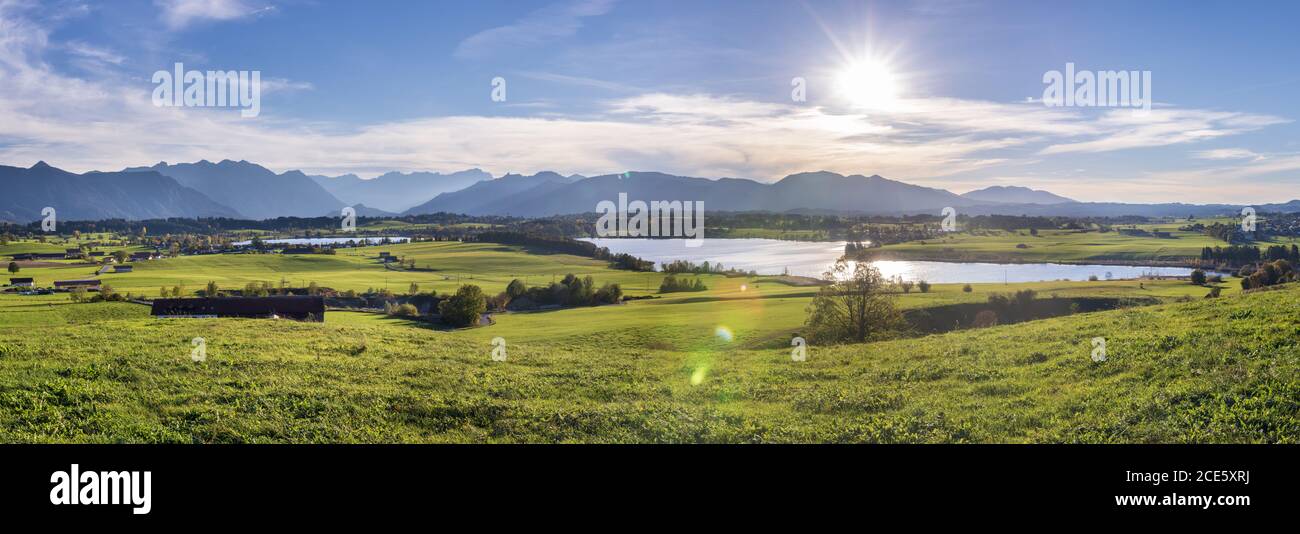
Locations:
(247, 190)
(1015, 195)
(395, 191)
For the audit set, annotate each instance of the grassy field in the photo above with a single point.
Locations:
(1213, 370)
(441, 265)
(713, 366)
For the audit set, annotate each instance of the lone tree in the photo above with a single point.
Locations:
(13, 267)
(1198, 277)
(854, 306)
(463, 308)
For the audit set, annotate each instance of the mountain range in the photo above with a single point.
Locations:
(252, 190)
(99, 195)
(240, 189)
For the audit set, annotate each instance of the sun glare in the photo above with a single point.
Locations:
(869, 84)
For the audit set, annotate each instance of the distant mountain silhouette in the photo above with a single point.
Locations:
(364, 211)
(551, 194)
(99, 195)
(1015, 195)
(395, 191)
(494, 197)
(252, 190)
(243, 189)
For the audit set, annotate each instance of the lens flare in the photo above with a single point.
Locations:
(724, 334)
(698, 376)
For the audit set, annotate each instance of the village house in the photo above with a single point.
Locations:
(22, 282)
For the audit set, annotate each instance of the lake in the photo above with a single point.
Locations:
(327, 240)
(773, 256)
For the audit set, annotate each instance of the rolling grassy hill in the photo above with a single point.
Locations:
(1212, 370)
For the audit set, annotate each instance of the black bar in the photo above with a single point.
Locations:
(228, 482)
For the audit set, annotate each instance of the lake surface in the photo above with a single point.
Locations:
(772, 256)
(327, 240)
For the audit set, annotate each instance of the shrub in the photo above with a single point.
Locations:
(923, 286)
(967, 288)
(609, 294)
(516, 288)
(1198, 277)
(406, 310)
(465, 307)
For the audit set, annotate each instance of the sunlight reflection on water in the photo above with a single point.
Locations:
(771, 256)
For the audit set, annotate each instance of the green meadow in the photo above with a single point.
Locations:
(712, 366)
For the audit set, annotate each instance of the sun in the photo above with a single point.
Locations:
(869, 84)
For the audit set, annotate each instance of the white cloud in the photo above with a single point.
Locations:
(541, 26)
(178, 14)
(1227, 153)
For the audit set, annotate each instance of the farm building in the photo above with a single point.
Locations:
(142, 256)
(22, 282)
(123, 269)
(73, 284)
(305, 308)
(38, 256)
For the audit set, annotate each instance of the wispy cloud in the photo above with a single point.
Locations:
(1126, 129)
(94, 53)
(542, 26)
(575, 80)
(283, 85)
(1227, 153)
(178, 14)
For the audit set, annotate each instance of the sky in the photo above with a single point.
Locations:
(941, 93)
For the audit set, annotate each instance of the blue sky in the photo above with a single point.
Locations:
(697, 88)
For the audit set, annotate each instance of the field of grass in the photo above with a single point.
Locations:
(1213, 370)
(712, 366)
(440, 265)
